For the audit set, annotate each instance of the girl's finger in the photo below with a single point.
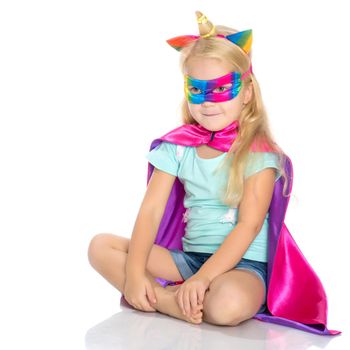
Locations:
(193, 300)
(201, 296)
(151, 295)
(180, 300)
(186, 301)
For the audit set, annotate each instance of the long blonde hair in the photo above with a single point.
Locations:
(253, 121)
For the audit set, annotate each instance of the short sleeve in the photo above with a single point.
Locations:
(164, 158)
(258, 161)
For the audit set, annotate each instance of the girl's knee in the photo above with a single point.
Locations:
(98, 244)
(103, 242)
(223, 310)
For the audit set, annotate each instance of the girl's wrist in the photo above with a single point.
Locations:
(134, 270)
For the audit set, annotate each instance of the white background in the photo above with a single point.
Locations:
(85, 86)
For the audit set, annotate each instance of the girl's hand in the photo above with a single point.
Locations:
(139, 293)
(191, 293)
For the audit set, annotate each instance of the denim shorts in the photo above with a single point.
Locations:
(189, 263)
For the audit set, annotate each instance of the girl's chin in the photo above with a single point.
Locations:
(212, 126)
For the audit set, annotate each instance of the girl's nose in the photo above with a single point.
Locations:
(207, 103)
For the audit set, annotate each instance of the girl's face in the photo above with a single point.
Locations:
(215, 116)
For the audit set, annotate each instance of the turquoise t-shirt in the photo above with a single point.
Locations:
(208, 220)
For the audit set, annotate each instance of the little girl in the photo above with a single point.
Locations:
(226, 163)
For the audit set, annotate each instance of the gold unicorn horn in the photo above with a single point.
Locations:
(206, 28)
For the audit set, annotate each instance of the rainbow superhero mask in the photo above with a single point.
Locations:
(198, 91)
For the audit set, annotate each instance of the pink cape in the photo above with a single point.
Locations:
(296, 297)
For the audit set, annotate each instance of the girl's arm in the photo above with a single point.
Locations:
(147, 221)
(257, 195)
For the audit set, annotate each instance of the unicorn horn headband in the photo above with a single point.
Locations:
(206, 30)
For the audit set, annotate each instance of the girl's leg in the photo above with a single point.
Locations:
(107, 254)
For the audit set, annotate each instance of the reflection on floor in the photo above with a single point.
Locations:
(132, 329)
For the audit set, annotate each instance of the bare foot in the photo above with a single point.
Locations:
(167, 304)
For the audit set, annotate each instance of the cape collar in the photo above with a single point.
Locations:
(196, 135)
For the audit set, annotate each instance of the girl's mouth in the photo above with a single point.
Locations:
(211, 115)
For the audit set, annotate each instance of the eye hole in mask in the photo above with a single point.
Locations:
(221, 89)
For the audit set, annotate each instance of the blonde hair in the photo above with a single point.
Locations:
(253, 121)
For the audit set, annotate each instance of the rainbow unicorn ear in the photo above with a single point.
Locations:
(181, 41)
(242, 39)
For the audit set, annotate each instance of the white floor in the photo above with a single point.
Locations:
(130, 329)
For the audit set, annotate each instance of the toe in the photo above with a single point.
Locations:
(198, 314)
